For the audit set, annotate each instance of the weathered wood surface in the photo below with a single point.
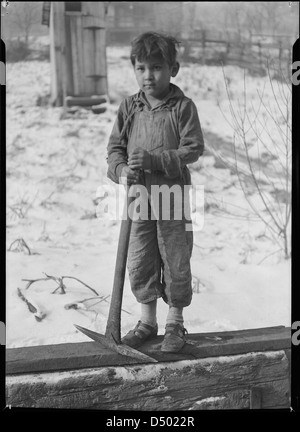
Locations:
(75, 25)
(78, 51)
(93, 53)
(90, 354)
(57, 53)
(252, 380)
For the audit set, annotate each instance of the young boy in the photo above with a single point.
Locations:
(156, 134)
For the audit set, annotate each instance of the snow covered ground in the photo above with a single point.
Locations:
(56, 163)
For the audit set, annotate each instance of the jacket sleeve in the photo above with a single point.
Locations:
(191, 144)
(117, 146)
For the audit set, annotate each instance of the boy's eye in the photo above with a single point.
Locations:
(157, 67)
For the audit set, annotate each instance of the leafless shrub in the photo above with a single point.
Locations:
(265, 180)
(87, 304)
(19, 245)
(21, 206)
(47, 202)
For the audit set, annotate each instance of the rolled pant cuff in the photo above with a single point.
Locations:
(148, 300)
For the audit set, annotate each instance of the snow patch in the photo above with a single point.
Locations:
(54, 168)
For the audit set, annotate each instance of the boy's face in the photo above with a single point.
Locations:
(153, 76)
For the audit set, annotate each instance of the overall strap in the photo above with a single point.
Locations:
(136, 106)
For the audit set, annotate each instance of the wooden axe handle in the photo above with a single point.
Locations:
(113, 327)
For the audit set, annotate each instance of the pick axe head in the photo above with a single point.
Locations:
(119, 348)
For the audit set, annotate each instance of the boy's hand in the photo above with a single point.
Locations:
(129, 176)
(139, 158)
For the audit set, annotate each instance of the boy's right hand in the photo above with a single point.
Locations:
(129, 176)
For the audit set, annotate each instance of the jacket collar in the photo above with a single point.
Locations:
(170, 100)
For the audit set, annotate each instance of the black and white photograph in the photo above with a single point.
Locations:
(148, 207)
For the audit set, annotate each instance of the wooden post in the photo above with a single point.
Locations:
(94, 47)
(75, 30)
(46, 13)
(68, 60)
(280, 52)
(187, 28)
(203, 43)
(259, 53)
(57, 50)
(242, 46)
(227, 51)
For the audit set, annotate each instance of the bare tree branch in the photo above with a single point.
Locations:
(278, 210)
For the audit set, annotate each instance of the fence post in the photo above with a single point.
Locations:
(227, 51)
(187, 49)
(280, 53)
(259, 53)
(203, 39)
(242, 51)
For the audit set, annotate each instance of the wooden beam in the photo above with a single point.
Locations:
(90, 354)
(252, 380)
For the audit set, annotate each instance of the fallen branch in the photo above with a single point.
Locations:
(47, 278)
(39, 315)
(83, 283)
(59, 281)
(81, 303)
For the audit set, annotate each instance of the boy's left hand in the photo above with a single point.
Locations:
(139, 158)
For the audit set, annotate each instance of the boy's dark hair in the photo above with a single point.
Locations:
(154, 44)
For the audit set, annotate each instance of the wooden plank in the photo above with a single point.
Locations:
(90, 354)
(80, 57)
(100, 62)
(75, 36)
(56, 87)
(58, 43)
(89, 64)
(68, 73)
(94, 14)
(46, 12)
(76, 23)
(100, 53)
(94, 48)
(212, 383)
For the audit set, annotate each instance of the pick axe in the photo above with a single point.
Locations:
(112, 337)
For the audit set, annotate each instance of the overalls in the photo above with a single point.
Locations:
(159, 250)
